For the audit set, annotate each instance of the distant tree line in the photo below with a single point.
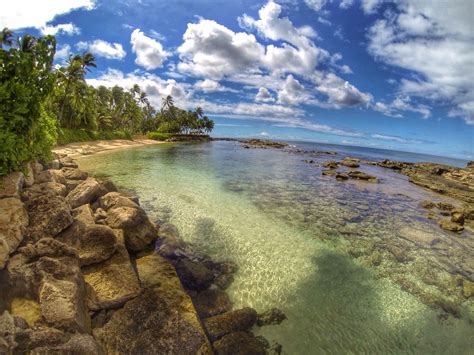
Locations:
(38, 99)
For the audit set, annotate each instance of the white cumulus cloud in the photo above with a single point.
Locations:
(150, 52)
(65, 28)
(103, 48)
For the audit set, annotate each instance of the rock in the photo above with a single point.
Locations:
(86, 192)
(444, 206)
(67, 162)
(418, 236)
(330, 172)
(427, 204)
(138, 230)
(391, 164)
(77, 344)
(74, 174)
(351, 163)
(26, 309)
(467, 288)
(13, 223)
(211, 302)
(159, 321)
(112, 282)
(43, 189)
(48, 215)
(72, 184)
(359, 175)
(194, 275)
(62, 305)
(258, 143)
(58, 176)
(239, 343)
(54, 164)
(331, 164)
(7, 334)
(169, 244)
(29, 175)
(94, 243)
(469, 213)
(450, 225)
(115, 199)
(11, 185)
(342, 176)
(397, 252)
(271, 317)
(44, 176)
(239, 320)
(457, 217)
(224, 281)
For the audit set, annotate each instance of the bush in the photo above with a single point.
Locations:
(159, 136)
(67, 135)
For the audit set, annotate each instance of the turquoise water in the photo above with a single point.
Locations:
(312, 246)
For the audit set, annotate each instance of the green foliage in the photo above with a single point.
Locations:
(159, 136)
(26, 131)
(68, 135)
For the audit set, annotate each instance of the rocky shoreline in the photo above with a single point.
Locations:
(83, 270)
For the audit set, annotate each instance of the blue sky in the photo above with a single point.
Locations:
(371, 73)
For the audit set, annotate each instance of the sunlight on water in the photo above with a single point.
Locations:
(283, 225)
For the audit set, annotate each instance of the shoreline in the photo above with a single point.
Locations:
(79, 149)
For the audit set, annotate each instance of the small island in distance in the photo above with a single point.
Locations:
(233, 182)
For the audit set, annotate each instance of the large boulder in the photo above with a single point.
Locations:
(11, 185)
(13, 223)
(74, 174)
(113, 282)
(239, 320)
(162, 320)
(86, 192)
(138, 230)
(115, 199)
(42, 189)
(49, 215)
(62, 304)
(194, 275)
(239, 343)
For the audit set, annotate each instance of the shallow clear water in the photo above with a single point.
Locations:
(295, 234)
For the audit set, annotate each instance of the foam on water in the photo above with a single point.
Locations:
(255, 209)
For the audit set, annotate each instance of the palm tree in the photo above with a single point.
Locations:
(6, 37)
(26, 43)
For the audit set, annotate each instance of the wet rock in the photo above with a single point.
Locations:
(427, 204)
(77, 344)
(330, 172)
(349, 162)
(113, 282)
(391, 164)
(194, 275)
(11, 185)
(138, 230)
(68, 162)
(399, 254)
(13, 223)
(48, 215)
(43, 189)
(359, 175)
(457, 217)
(74, 174)
(444, 206)
(258, 143)
(211, 302)
(224, 281)
(342, 176)
(239, 343)
(239, 320)
(86, 192)
(271, 317)
(62, 305)
(469, 213)
(450, 225)
(331, 164)
(114, 200)
(154, 323)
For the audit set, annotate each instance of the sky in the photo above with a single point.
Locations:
(394, 75)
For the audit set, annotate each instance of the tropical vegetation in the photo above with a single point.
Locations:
(42, 104)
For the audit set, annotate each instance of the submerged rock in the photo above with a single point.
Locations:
(331, 164)
(239, 343)
(239, 320)
(427, 204)
(418, 236)
(271, 317)
(194, 275)
(359, 175)
(450, 225)
(350, 162)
